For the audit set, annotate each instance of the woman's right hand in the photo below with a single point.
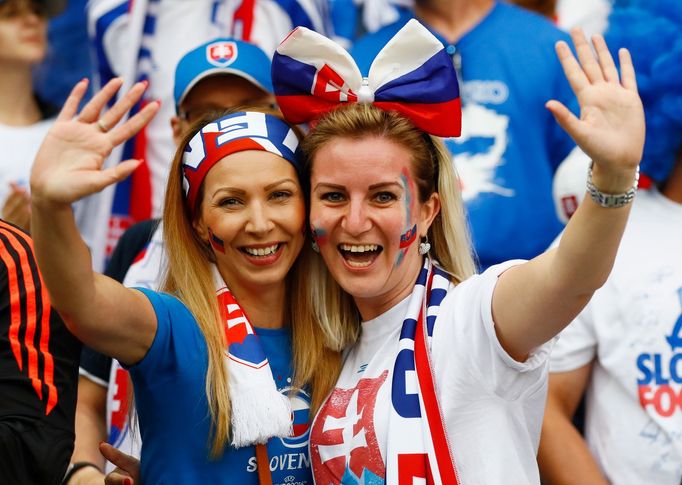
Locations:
(127, 470)
(68, 165)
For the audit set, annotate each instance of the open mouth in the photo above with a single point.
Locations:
(261, 252)
(359, 255)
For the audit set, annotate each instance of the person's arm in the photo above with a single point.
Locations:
(564, 457)
(90, 432)
(101, 312)
(534, 301)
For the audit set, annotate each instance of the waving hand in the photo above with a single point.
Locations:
(68, 165)
(611, 125)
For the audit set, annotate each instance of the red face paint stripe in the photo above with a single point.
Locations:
(217, 243)
(31, 312)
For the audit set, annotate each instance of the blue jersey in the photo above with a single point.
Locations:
(510, 144)
(173, 412)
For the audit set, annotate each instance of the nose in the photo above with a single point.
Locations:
(260, 219)
(355, 220)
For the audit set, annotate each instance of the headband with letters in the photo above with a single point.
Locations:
(234, 133)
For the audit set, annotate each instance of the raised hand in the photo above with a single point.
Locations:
(68, 165)
(611, 125)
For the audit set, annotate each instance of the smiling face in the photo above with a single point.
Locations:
(367, 219)
(252, 214)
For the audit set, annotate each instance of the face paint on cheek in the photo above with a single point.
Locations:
(216, 243)
(410, 235)
(319, 235)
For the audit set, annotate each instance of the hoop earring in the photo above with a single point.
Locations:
(424, 246)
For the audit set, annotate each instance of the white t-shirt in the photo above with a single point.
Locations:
(21, 145)
(492, 405)
(632, 329)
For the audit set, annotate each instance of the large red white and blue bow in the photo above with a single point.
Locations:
(412, 74)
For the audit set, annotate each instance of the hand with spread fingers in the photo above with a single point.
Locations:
(69, 163)
(611, 125)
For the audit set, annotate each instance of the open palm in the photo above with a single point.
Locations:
(611, 125)
(69, 163)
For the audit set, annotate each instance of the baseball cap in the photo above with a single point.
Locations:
(222, 56)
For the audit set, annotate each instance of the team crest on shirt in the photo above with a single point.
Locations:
(345, 447)
(300, 416)
(221, 54)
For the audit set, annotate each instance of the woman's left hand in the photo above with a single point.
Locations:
(611, 125)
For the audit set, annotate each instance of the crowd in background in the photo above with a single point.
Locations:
(521, 178)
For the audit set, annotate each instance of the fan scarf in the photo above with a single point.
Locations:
(259, 411)
(417, 433)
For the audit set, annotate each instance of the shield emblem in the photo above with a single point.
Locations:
(221, 54)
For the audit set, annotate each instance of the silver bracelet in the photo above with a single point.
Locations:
(611, 201)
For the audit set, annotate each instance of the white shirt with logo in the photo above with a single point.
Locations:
(492, 404)
(632, 330)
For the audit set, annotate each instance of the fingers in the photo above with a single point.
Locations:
(133, 125)
(118, 478)
(128, 466)
(574, 74)
(567, 120)
(608, 67)
(70, 107)
(589, 64)
(91, 111)
(123, 105)
(627, 70)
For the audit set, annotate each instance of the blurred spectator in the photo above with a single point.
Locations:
(543, 7)
(24, 119)
(510, 144)
(623, 350)
(38, 371)
(68, 57)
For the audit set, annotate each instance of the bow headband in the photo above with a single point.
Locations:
(412, 75)
(234, 133)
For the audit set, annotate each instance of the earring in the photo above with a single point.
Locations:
(315, 247)
(424, 246)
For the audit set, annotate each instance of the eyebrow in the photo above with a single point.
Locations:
(371, 187)
(238, 191)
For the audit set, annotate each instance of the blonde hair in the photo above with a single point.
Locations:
(448, 235)
(189, 277)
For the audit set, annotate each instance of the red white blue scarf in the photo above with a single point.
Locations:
(258, 410)
(417, 446)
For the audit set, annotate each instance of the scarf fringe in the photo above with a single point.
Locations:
(259, 414)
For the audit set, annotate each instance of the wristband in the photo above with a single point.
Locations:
(75, 467)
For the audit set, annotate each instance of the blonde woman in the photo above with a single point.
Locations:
(208, 392)
(446, 378)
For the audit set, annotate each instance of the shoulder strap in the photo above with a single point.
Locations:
(263, 463)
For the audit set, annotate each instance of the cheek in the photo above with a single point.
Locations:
(216, 243)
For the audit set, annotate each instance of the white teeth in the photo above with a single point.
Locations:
(359, 248)
(262, 251)
(358, 264)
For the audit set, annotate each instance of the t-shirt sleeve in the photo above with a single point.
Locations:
(95, 366)
(466, 326)
(177, 346)
(577, 344)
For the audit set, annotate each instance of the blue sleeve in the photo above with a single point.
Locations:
(177, 347)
